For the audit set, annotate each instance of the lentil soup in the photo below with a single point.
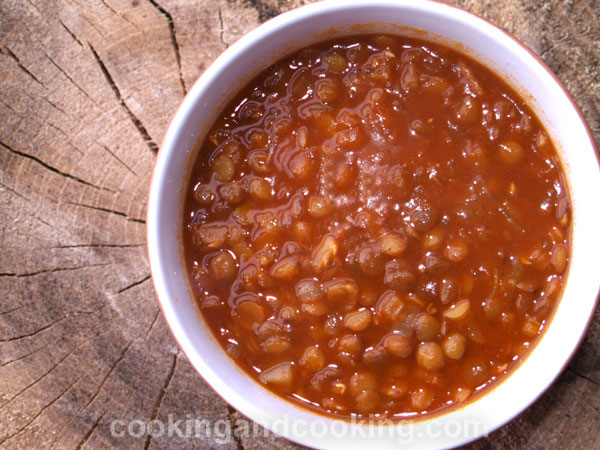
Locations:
(377, 225)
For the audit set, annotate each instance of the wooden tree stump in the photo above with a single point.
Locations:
(87, 89)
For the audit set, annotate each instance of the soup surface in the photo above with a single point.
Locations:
(377, 225)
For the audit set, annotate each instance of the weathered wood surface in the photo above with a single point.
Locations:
(87, 88)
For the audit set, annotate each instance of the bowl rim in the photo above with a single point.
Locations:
(192, 98)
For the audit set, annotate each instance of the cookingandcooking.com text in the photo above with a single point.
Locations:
(224, 430)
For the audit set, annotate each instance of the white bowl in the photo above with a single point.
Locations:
(427, 20)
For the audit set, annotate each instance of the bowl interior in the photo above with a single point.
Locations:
(426, 20)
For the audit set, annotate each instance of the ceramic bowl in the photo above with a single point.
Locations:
(432, 21)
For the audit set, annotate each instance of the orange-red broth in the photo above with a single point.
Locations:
(377, 225)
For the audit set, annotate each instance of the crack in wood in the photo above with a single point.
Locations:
(84, 17)
(56, 269)
(136, 121)
(71, 145)
(87, 435)
(54, 366)
(544, 51)
(42, 410)
(98, 246)
(222, 30)
(29, 96)
(51, 168)
(59, 432)
(58, 109)
(118, 159)
(234, 422)
(110, 8)
(109, 211)
(9, 106)
(40, 220)
(65, 135)
(15, 58)
(152, 324)
(8, 188)
(174, 42)
(120, 16)
(580, 375)
(6, 363)
(132, 285)
(68, 77)
(68, 30)
(2, 313)
(125, 404)
(33, 333)
(110, 371)
(39, 379)
(160, 397)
